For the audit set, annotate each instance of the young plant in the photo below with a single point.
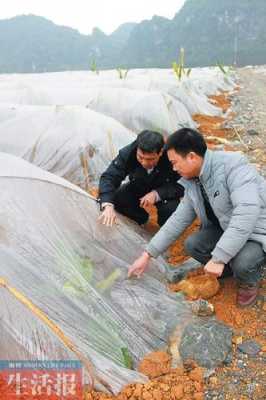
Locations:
(104, 335)
(179, 68)
(94, 67)
(225, 70)
(122, 73)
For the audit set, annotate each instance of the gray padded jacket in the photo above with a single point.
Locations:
(237, 194)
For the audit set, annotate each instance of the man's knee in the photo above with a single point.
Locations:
(248, 261)
(199, 245)
(123, 197)
(192, 244)
(127, 204)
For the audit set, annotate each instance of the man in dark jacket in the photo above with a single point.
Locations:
(151, 181)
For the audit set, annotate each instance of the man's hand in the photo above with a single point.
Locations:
(149, 199)
(214, 268)
(139, 266)
(108, 216)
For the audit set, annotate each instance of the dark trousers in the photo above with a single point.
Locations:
(245, 266)
(127, 202)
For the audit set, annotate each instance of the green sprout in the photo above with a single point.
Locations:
(122, 73)
(179, 68)
(94, 68)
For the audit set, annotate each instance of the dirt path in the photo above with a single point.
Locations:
(245, 376)
(250, 107)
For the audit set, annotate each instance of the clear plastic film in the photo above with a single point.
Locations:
(72, 271)
(83, 87)
(135, 109)
(70, 141)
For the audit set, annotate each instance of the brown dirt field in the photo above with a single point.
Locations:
(176, 384)
(222, 101)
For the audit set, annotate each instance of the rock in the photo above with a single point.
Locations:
(249, 347)
(208, 343)
(202, 308)
(174, 275)
(250, 388)
(208, 373)
(198, 287)
(229, 358)
(155, 364)
(241, 364)
(237, 340)
(214, 380)
(252, 132)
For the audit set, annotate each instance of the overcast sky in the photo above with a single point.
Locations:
(86, 14)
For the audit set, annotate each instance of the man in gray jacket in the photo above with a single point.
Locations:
(229, 197)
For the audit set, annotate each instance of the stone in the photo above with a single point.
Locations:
(202, 308)
(249, 347)
(241, 364)
(155, 364)
(174, 275)
(206, 342)
(208, 373)
(214, 380)
(198, 287)
(250, 388)
(229, 358)
(237, 340)
(252, 132)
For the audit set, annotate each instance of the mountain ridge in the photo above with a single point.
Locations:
(211, 31)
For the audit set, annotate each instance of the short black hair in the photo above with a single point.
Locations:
(150, 142)
(186, 140)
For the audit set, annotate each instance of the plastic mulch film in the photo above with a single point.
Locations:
(184, 91)
(64, 289)
(135, 109)
(146, 99)
(79, 88)
(72, 142)
(139, 109)
(194, 101)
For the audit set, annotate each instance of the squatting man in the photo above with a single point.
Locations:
(228, 195)
(151, 181)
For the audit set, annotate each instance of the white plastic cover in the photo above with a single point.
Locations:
(139, 110)
(71, 141)
(74, 270)
(135, 109)
(145, 99)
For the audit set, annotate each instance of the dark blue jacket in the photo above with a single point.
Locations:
(162, 179)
